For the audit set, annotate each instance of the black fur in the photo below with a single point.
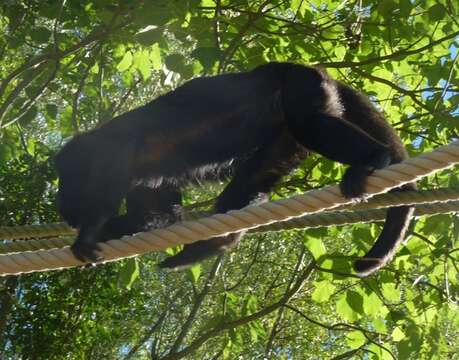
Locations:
(261, 123)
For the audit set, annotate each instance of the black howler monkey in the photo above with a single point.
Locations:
(267, 120)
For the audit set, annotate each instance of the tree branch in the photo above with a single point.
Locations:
(196, 306)
(245, 320)
(398, 54)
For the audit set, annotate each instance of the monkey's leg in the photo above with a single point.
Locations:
(252, 180)
(315, 113)
(397, 218)
(147, 208)
(341, 141)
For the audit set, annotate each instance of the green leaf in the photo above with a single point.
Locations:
(380, 325)
(253, 334)
(150, 36)
(155, 57)
(391, 292)
(32, 91)
(397, 315)
(315, 246)
(339, 265)
(129, 273)
(173, 250)
(398, 334)
(95, 68)
(437, 12)
(300, 6)
(345, 310)
(323, 291)
(126, 62)
(405, 8)
(175, 62)
(355, 301)
(207, 56)
(257, 330)
(141, 61)
(157, 13)
(5, 153)
(28, 116)
(40, 35)
(195, 273)
(372, 304)
(355, 339)
(380, 353)
(250, 305)
(340, 51)
(51, 110)
(411, 344)
(386, 8)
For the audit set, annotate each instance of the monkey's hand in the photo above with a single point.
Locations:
(86, 252)
(85, 246)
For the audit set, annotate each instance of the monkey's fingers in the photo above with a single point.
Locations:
(86, 252)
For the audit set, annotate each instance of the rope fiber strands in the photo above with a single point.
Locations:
(33, 232)
(328, 218)
(247, 218)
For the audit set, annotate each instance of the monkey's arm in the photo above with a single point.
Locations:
(252, 180)
(147, 208)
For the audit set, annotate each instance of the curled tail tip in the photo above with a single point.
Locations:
(367, 266)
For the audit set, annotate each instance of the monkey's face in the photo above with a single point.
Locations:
(73, 165)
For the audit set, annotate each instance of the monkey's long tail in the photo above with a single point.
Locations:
(393, 233)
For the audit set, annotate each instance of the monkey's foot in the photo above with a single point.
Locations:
(199, 251)
(353, 183)
(86, 252)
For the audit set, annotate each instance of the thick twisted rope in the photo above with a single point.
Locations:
(35, 231)
(322, 219)
(379, 201)
(351, 217)
(237, 220)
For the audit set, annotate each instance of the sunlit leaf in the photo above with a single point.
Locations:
(155, 57)
(398, 334)
(355, 339)
(372, 304)
(126, 62)
(141, 61)
(315, 246)
(195, 272)
(323, 291)
(128, 273)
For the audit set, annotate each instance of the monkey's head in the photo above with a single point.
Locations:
(94, 175)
